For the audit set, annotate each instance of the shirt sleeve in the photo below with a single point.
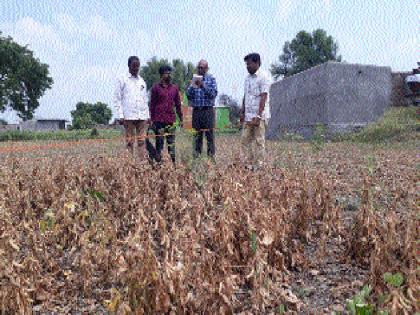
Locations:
(190, 92)
(145, 94)
(210, 88)
(118, 98)
(265, 84)
(153, 101)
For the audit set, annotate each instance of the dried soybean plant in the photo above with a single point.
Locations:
(386, 242)
(102, 231)
(110, 234)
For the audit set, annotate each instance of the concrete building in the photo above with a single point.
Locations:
(43, 124)
(9, 127)
(340, 96)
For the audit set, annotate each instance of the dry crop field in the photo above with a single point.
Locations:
(88, 229)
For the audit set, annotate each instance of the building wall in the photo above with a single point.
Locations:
(297, 103)
(9, 127)
(43, 125)
(340, 96)
(356, 95)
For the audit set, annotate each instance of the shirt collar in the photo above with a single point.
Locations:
(132, 76)
(169, 85)
(256, 74)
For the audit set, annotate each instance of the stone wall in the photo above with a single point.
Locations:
(9, 127)
(340, 96)
(42, 125)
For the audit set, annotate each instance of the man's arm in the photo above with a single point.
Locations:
(153, 102)
(257, 119)
(263, 100)
(242, 113)
(190, 92)
(178, 106)
(118, 99)
(145, 95)
(210, 89)
(265, 88)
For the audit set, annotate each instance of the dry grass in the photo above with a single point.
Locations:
(94, 230)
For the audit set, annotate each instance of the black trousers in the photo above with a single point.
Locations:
(162, 131)
(203, 118)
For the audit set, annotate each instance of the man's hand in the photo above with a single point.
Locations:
(199, 83)
(242, 116)
(256, 121)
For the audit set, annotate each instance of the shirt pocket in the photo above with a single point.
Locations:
(257, 89)
(253, 89)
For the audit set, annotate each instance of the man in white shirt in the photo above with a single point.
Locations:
(131, 104)
(413, 83)
(255, 111)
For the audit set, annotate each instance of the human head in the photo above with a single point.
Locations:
(165, 73)
(202, 67)
(134, 65)
(253, 62)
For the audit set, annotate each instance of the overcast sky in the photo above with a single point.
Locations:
(86, 43)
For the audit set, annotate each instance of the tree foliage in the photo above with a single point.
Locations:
(305, 51)
(23, 78)
(181, 74)
(87, 115)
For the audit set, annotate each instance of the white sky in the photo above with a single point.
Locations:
(87, 43)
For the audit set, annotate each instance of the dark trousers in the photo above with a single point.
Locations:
(162, 131)
(203, 118)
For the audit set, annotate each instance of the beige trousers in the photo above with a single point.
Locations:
(135, 130)
(253, 144)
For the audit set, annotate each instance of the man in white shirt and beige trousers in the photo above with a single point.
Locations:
(255, 112)
(131, 104)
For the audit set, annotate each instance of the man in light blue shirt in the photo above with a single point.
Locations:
(201, 94)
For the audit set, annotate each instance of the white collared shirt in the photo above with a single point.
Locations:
(413, 78)
(130, 98)
(255, 85)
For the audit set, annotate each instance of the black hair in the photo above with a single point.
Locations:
(254, 57)
(132, 58)
(164, 68)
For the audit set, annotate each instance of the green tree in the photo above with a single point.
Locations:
(87, 115)
(23, 78)
(181, 74)
(305, 51)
